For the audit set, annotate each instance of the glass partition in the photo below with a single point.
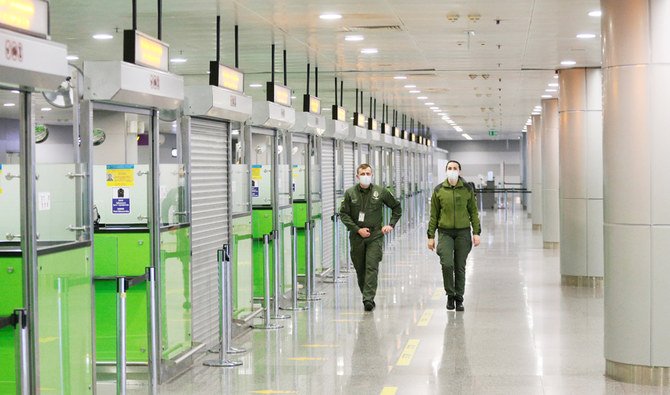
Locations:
(239, 177)
(315, 209)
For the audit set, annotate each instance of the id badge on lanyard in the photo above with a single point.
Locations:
(361, 217)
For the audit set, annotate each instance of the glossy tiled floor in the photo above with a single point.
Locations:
(521, 333)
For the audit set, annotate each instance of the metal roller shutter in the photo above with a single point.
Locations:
(209, 206)
(328, 198)
(348, 162)
(365, 154)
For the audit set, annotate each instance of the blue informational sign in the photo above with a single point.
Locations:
(120, 205)
(254, 192)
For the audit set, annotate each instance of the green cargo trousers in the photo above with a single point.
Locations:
(366, 255)
(453, 247)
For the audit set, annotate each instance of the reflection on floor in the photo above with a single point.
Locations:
(521, 332)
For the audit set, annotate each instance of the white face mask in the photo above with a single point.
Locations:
(452, 175)
(365, 180)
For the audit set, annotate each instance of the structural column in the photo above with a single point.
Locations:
(536, 171)
(581, 171)
(550, 212)
(636, 76)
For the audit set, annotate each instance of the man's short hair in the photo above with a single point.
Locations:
(363, 166)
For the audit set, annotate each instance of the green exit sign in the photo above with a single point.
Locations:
(492, 133)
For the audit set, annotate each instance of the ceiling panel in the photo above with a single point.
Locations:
(438, 45)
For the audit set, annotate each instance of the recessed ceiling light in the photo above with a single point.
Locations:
(555, 77)
(45, 109)
(9, 105)
(354, 38)
(551, 90)
(422, 97)
(415, 91)
(535, 113)
(292, 97)
(369, 50)
(554, 84)
(586, 35)
(466, 136)
(434, 108)
(72, 57)
(429, 103)
(15, 91)
(255, 85)
(546, 96)
(103, 36)
(410, 86)
(399, 77)
(568, 62)
(596, 13)
(330, 16)
(178, 60)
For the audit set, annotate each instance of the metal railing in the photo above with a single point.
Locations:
(225, 312)
(294, 273)
(267, 325)
(123, 284)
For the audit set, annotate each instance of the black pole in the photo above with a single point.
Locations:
(316, 81)
(134, 14)
(160, 19)
(335, 90)
(341, 93)
(375, 107)
(285, 77)
(308, 67)
(273, 63)
(361, 101)
(356, 99)
(370, 107)
(218, 39)
(237, 39)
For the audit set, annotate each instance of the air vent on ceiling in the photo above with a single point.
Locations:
(396, 28)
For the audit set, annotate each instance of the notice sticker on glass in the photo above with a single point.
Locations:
(256, 172)
(255, 192)
(44, 201)
(120, 175)
(121, 201)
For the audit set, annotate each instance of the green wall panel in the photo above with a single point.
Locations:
(11, 298)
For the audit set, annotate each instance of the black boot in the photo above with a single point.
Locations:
(459, 305)
(369, 305)
(450, 302)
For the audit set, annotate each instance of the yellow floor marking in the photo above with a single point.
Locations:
(352, 313)
(320, 345)
(273, 392)
(408, 353)
(306, 359)
(437, 294)
(48, 339)
(425, 317)
(389, 391)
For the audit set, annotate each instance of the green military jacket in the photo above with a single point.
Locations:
(453, 207)
(369, 201)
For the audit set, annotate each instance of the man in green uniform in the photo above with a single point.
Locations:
(361, 212)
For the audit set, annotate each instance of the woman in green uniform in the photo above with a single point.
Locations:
(453, 214)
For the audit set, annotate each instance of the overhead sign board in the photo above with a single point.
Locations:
(339, 113)
(226, 77)
(311, 104)
(25, 16)
(360, 120)
(279, 94)
(144, 50)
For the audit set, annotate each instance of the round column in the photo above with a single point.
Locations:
(536, 157)
(636, 76)
(581, 171)
(528, 201)
(550, 212)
